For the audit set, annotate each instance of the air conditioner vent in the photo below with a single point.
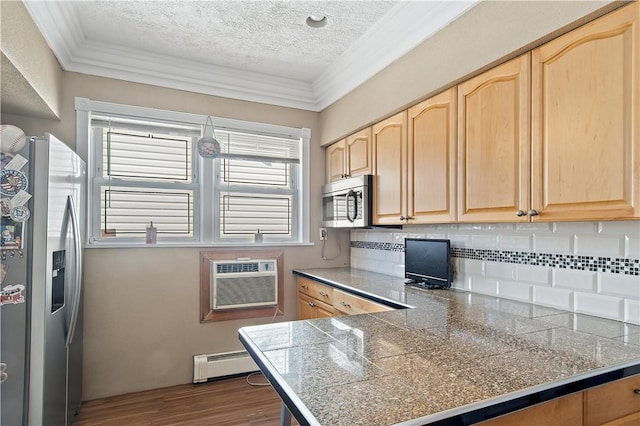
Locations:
(235, 267)
(243, 284)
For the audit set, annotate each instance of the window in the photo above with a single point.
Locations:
(255, 186)
(144, 169)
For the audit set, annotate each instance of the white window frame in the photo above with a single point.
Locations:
(205, 233)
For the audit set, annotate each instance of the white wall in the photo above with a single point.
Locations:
(603, 293)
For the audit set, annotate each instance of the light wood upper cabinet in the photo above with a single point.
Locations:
(552, 135)
(389, 140)
(586, 121)
(335, 161)
(494, 144)
(431, 165)
(349, 157)
(358, 152)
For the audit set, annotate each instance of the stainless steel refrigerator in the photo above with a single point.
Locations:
(41, 289)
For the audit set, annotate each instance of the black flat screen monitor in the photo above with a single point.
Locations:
(427, 262)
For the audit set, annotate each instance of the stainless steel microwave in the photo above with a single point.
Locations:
(347, 203)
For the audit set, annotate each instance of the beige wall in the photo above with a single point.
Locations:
(142, 305)
(25, 55)
(485, 35)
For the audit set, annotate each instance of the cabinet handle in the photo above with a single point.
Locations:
(345, 304)
(521, 213)
(306, 287)
(402, 218)
(533, 212)
(408, 218)
(3, 372)
(323, 294)
(636, 391)
(313, 305)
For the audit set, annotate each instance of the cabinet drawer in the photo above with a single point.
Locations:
(612, 401)
(316, 290)
(351, 304)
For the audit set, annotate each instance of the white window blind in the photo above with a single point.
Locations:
(256, 185)
(146, 177)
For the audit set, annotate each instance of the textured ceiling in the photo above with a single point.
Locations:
(270, 37)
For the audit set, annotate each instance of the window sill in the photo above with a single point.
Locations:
(195, 245)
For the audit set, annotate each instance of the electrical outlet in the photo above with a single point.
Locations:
(323, 234)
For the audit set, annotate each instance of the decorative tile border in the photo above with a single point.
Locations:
(563, 261)
(377, 246)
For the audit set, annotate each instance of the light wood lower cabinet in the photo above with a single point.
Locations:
(317, 300)
(351, 304)
(565, 411)
(310, 308)
(614, 404)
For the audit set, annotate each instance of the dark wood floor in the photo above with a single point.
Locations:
(221, 403)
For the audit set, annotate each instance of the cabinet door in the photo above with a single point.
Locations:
(494, 144)
(358, 153)
(586, 121)
(431, 151)
(565, 411)
(389, 194)
(306, 307)
(325, 311)
(310, 308)
(335, 155)
(612, 401)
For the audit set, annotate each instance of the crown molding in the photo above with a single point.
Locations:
(403, 28)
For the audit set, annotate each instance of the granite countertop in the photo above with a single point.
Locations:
(453, 358)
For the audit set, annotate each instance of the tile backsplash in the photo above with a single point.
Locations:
(586, 267)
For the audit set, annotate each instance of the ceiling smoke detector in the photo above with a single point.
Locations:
(316, 21)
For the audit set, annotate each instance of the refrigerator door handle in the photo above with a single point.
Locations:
(77, 286)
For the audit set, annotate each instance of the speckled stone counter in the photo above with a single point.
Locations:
(452, 358)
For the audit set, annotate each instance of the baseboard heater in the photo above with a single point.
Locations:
(210, 366)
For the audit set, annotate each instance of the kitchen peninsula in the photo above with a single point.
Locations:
(453, 357)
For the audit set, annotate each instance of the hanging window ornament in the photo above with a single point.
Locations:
(208, 146)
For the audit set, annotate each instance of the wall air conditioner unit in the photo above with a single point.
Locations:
(221, 365)
(243, 283)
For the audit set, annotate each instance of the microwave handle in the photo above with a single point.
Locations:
(352, 193)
